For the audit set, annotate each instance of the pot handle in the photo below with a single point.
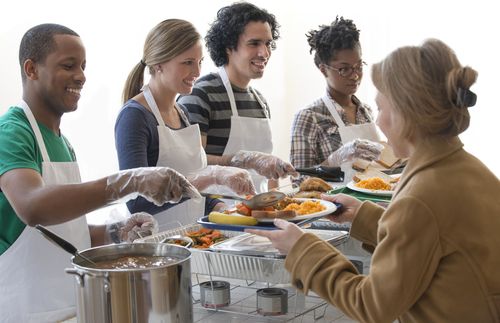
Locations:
(79, 275)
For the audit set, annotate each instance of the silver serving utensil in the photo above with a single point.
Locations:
(66, 245)
(256, 202)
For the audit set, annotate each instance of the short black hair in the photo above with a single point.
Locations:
(38, 42)
(328, 39)
(230, 23)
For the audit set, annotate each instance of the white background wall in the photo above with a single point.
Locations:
(114, 33)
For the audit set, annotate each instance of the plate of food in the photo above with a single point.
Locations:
(291, 209)
(373, 182)
(377, 190)
(295, 209)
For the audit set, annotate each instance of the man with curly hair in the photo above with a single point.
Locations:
(338, 127)
(233, 116)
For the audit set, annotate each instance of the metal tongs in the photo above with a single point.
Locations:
(329, 174)
(256, 202)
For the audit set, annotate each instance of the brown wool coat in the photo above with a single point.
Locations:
(437, 247)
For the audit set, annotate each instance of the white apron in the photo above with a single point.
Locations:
(33, 284)
(252, 134)
(180, 150)
(359, 131)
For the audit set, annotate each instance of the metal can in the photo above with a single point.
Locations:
(215, 293)
(272, 301)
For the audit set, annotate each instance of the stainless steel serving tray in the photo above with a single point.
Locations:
(265, 268)
(252, 245)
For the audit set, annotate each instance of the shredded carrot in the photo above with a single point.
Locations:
(374, 183)
(306, 207)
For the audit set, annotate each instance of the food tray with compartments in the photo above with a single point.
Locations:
(252, 268)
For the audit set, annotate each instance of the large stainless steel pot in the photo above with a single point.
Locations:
(159, 294)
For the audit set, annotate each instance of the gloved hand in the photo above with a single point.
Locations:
(266, 165)
(139, 225)
(156, 184)
(237, 179)
(358, 148)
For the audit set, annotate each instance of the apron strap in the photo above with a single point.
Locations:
(182, 115)
(230, 94)
(262, 104)
(154, 107)
(330, 104)
(36, 130)
(229, 90)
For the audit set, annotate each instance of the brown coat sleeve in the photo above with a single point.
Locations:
(404, 262)
(365, 225)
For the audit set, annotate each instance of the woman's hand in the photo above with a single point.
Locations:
(283, 239)
(350, 206)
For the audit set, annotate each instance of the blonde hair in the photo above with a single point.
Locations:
(424, 84)
(165, 41)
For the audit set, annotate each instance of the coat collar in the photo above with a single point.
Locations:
(426, 154)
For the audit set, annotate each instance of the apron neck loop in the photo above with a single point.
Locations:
(330, 104)
(229, 89)
(36, 130)
(148, 96)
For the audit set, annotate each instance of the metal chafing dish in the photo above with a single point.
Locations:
(234, 258)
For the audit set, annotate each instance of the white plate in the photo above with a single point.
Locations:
(330, 208)
(368, 191)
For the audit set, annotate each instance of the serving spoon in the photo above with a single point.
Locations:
(256, 202)
(66, 245)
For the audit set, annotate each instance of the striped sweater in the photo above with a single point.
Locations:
(209, 106)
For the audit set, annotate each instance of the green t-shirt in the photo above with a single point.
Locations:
(18, 149)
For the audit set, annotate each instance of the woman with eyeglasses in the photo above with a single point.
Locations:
(338, 127)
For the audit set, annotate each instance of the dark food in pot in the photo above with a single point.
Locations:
(135, 262)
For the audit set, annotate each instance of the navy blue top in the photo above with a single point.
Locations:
(137, 145)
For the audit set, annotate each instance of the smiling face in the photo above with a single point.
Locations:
(59, 79)
(179, 74)
(344, 58)
(249, 59)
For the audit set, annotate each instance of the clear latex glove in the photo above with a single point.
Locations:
(138, 225)
(156, 184)
(266, 165)
(358, 148)
(237, 179)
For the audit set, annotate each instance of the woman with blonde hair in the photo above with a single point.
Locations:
(152, 130)
(435, 248)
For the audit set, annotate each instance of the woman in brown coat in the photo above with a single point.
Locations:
(436, 248)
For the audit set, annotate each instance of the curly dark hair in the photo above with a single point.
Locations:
(38, 42)
(340, 34)
(230, 23)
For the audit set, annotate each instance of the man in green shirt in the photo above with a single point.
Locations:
(40, 181)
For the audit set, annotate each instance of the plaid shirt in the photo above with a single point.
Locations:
(315, 133)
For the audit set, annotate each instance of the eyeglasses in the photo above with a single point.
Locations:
(348, 70)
